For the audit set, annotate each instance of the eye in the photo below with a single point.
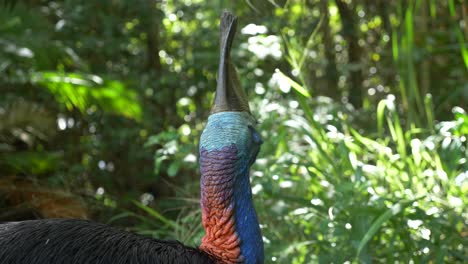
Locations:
(255, 136)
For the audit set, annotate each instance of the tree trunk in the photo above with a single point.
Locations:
(425, 64)
(154, 61)
(331, 74)
(350, 34)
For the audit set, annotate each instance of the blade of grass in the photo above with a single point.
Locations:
(382, 219)
(410, 65)
(380, 117)
(452, 7)
(308, 43)
(429, 111)
(395, 45)
(157, 215)
(297, 87)
(463, 49)
(433, 8)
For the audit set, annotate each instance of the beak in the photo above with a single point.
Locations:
(230, 97)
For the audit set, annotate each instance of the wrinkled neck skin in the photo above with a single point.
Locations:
(228, 215)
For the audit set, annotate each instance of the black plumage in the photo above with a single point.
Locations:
(80, 241)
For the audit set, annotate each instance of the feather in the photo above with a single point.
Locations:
(80, 241)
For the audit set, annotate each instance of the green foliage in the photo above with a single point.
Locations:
(361, 105)
(30, 162)
(82, 92)
(392, 197)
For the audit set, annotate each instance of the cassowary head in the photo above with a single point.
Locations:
(230, 122)
(228, 147)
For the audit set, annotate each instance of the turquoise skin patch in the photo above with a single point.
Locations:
(226, 128)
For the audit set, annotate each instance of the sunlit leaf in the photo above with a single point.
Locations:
(299, 88)
(463, 49)
(82, 91)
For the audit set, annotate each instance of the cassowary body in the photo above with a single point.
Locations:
(228, 147)
(81, 241)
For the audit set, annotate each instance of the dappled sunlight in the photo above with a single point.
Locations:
(263, 46)
(82, 91)
(361, 107)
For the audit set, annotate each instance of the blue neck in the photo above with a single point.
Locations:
(234, 129)
(246, 219)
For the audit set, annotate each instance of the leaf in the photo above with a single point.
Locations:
(428, 106)
(173, 169)
(301, 90)
(462, 121)
(120, 216)
(382, 219)
(81, 91)
(452, 7)
(433, 8)
(463, 49)
(395, 45)
(380, 116)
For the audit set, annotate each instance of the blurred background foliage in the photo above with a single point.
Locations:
(361, 104)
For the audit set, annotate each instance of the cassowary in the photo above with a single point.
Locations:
(228, 147)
